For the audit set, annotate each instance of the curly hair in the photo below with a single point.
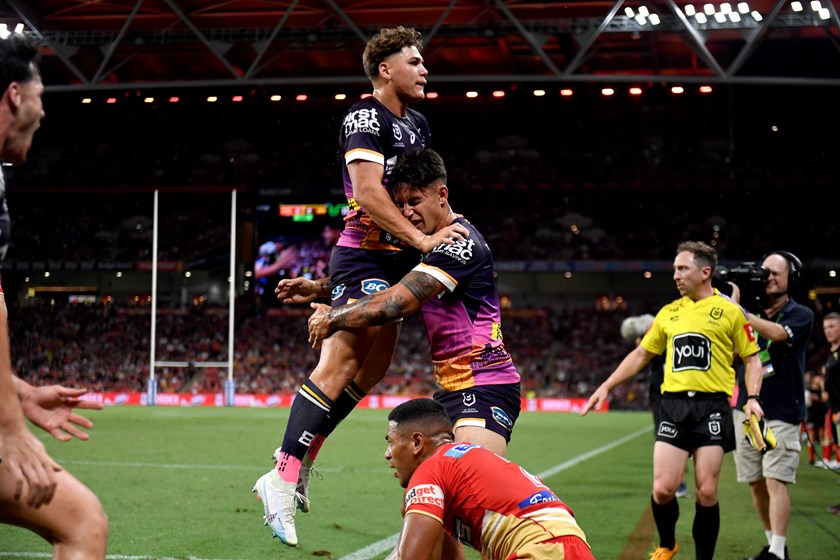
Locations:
(388, 41)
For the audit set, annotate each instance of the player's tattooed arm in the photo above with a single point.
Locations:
(399, 301)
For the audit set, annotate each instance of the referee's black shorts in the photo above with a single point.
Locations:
(692, 419)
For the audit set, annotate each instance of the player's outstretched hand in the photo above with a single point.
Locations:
(595, 400)
(319, 324)
(298, 290)
(51, 408)
(448, 235)
(30, 471)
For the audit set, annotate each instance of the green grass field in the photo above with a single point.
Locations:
(176, 484)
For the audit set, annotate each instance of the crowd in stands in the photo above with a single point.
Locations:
(543, 179)
(106, 348)
(635, 177)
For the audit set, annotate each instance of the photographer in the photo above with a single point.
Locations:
(783, 327)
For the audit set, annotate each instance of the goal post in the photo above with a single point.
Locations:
(230, 382)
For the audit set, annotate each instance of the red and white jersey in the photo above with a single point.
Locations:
(487, 502)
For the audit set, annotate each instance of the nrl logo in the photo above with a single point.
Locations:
(469, 399)
(716, 313)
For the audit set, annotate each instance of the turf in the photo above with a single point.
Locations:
(176, 483)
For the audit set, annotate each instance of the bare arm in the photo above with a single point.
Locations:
(302, 290)
(367, 190)
(629, 366)
(419, 538)
(399, 301)
(25, 460)
(752, 379)
(768, 329)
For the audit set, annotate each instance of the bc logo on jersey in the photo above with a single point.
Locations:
(373, 285)
(337, 291)
(692, 351)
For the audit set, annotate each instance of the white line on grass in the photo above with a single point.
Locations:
(388, 543)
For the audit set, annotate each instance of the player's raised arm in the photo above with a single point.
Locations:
(399, 301)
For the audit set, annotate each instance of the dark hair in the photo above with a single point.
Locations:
(388, 41)
(704, 255)
(19, 55)
(418, 170)
(428, 411)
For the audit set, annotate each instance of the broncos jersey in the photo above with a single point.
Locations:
(464, 324)
(370, 132)
(700, 339)
(486, 502)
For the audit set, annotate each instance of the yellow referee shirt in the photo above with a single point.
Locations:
(700, 339)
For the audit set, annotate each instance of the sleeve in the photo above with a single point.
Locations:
(746, 342)
(798, 324)
(655, 339)
(425, 492)
(453, 264)
(362, 135)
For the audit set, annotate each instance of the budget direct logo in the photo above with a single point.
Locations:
(425, 494)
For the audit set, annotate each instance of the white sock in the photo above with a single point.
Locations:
(777, 546)
(769, 535)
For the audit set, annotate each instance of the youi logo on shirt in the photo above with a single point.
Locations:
(460, 250)
(692, 351)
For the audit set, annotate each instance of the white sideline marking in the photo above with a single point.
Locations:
(388, 543)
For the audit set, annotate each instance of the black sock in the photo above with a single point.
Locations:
(344, 405)
(705, 530)
(666, 516)
(309, 411)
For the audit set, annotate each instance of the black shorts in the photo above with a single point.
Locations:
(359, 272)
(492, 407)
(691, 419)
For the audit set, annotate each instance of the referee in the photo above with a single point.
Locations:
(700, 334)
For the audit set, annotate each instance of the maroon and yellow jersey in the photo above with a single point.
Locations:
(487, 502)
(370, 132)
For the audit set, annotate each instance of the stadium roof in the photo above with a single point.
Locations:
(123, 44)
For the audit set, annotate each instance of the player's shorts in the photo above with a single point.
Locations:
(692, 419)
(492, 407)
(779, 464)
(569, 547)
(359, 272)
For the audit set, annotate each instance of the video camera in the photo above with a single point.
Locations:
(749, 277)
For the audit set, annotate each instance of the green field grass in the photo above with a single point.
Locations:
(176, 484)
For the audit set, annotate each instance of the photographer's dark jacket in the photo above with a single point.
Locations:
(783, 385)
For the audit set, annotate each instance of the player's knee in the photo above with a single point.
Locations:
(706, 495)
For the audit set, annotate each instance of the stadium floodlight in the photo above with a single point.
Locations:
(689, 10)
(743, 8)
(796, 6)
(734, 17)
(19, 28)
(629, 12)
(4, 31)
(654, 19)
(725, 8)
(709, 9)
(816, 6)
(756, 15)
(643, 11)
(720, 17)
(701, 17)
(823, 13)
